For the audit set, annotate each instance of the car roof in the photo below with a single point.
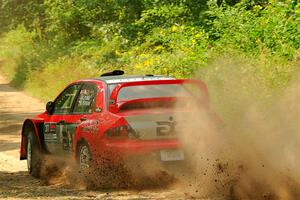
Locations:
(124, 79)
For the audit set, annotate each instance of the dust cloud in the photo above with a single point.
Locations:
(132, 174)
(61, 171)
(244, 145)
(255, 152)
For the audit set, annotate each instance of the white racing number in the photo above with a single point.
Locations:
(166, 128)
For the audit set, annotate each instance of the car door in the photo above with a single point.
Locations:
(72, 108)
(81, 110)
(56, 122)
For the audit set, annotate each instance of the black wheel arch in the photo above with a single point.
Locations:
(37, 129)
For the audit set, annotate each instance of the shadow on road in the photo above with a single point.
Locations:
(11, 121)
(10, 129)
(7, 145)
(21, 185)
(5, 87)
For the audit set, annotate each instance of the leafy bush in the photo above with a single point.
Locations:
(17, 48)
(55, 76)
(273, 28)
(41, 40)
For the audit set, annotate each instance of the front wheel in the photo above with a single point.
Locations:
(33, 155)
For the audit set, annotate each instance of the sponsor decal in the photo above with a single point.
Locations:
(91, 126)
(50, 131)
(166, 128)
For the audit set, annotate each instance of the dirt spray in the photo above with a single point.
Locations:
(255, 154)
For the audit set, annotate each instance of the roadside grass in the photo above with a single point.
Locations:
(246, 74)
(54, 77)
(258, 44)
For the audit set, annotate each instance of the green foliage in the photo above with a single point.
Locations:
(163, 16)
(59, 41)
(13, 13)
(268, 34)
(273, 28)
(55, 76)
(17, 45)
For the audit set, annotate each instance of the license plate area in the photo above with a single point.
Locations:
(171, 155)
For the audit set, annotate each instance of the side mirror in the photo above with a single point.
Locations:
(50, 107)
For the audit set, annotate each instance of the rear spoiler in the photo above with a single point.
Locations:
(113, 107)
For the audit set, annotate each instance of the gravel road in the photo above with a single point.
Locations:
(15, 183)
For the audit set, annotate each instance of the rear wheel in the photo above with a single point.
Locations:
(34, 155)
(100, 173)
(85, 165)
(84, 158)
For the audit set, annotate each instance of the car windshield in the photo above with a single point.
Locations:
(150, 91)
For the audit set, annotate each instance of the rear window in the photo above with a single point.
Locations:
(151, 91)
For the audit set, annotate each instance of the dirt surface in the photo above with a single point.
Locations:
(219, 171)
(15, 183)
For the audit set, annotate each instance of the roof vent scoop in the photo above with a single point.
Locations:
(113, 73)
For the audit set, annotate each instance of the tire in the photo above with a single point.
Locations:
(34, 155)
(84, 159)
(85, 166)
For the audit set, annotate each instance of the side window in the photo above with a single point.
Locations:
(64, 102)
(85, 102)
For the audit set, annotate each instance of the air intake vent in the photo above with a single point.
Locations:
(113, 73)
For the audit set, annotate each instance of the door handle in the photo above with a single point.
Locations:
(83, 119)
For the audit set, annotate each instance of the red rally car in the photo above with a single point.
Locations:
(111, 115)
